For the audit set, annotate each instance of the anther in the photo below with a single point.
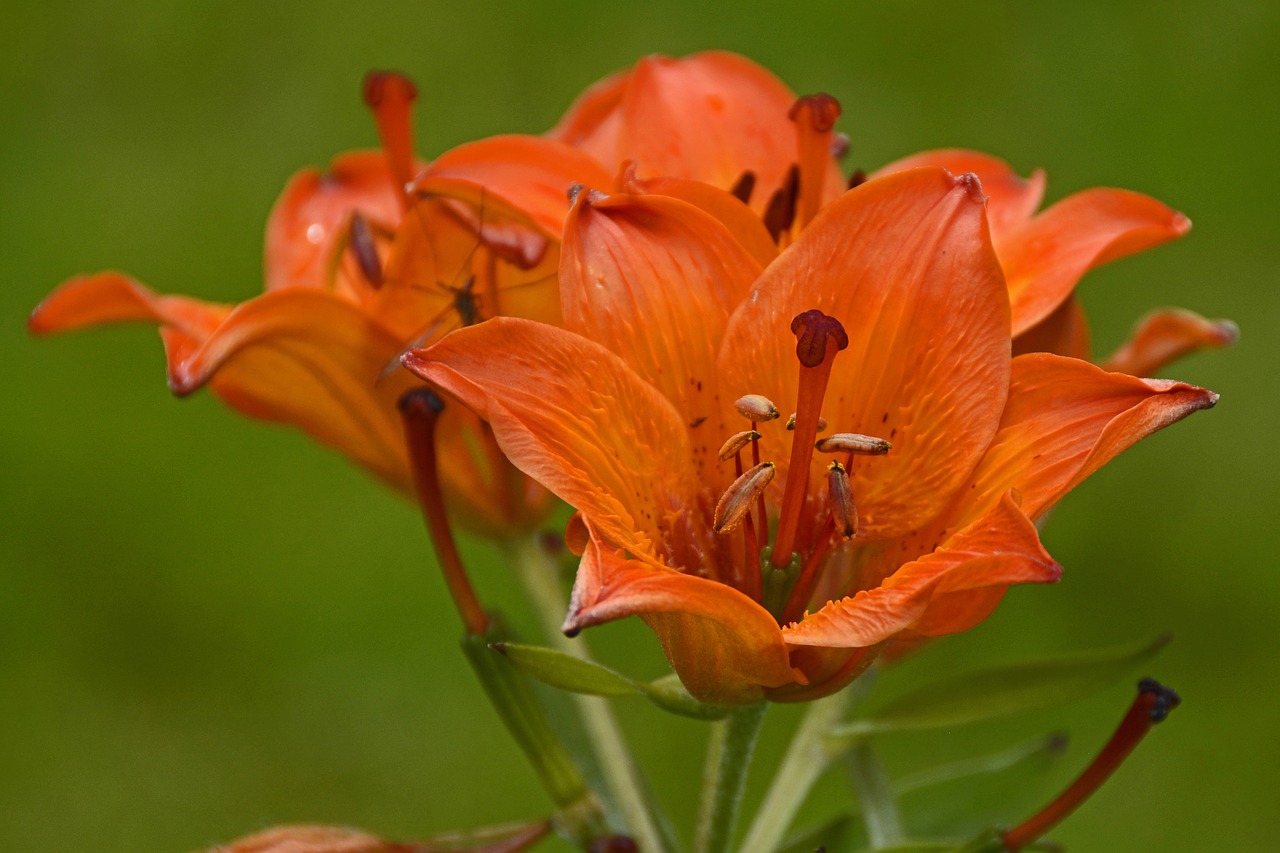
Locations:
(791, 423)
(736, 442)
(840, 494)
(742, 188)
(360, 237)
(815, 333)
(390, 95)
(755, 407)
(839, 145)
(780, 213)
(737, 499)
(852, 442)
(857, 179)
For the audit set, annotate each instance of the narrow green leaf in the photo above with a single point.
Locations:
(669, 695)
(566, 671)
(1001, 691)
(1033, 754)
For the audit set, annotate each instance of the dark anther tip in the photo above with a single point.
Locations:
(613, 844)
(823, 110)
(571, 632)
(377, 84)
(1165, 699)
(743, 187)
(813, 329)
(421, 401)
(857, 179)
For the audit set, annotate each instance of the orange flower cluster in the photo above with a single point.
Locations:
(627, 309)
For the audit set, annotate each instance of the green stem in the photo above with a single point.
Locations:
(806, 759)
(875, 795)
(578, 814)
(733, 740)
(627, 788)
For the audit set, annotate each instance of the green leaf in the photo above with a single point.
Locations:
(1001, 691)
(669, 695)
(566, 671)
(1033, 754)
(829, 836)
(920, 847)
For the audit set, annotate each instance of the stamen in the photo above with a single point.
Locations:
(852, 442)
(390, 95)
(780, 213)
(818, 338)
(1153, 704)
(839, 145)
(808, 579)
(745, 184)
(791, 423)
(815, 117)
(840, 494)
(857, 179)
(736, 442)
(420, 409)
(755, 407)
(736, 501)
(360, 238)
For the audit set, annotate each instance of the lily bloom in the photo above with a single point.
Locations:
(315, 838)
(766, 566)
(360, 266)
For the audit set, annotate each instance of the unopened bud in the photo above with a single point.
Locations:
(736, 442)
(737, 499)
(756, 407)
(852, 442)
(840, 493)
(791, 422)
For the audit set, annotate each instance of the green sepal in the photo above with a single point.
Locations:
(669, 695)
(1000, 691)
(566, 672)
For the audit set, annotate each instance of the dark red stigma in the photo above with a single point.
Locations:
(823, 111)
(379, 84)
(814, 330)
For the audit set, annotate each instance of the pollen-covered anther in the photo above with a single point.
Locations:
(840, 493)
(791, 423)
(736, 442)
(852, 442)
(815, 333)
(755, 407)
(734, 504)
(360, 237)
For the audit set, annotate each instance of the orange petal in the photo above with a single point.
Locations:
(709, 117)
(1064, 332)
(905, 264)
(1066, 419)
(746, 227)
(725, 647)
(1167, 335)
(1011, 199)
(112, 297)
(308, 221)
(592, 121)
(576, 418)
(998, 550)
(530, 173)
(654, 279)
(1045, 258)
(309, 359)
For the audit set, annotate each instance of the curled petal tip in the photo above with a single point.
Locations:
(1180, 223)
(972, 185)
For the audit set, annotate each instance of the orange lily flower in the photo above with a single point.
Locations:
(359, 268)
(716, 118)
(901, 328)
(1044, 255)
(315, 838)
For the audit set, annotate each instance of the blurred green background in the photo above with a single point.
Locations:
(208, 626)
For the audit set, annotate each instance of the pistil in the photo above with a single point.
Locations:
(390, 96)
(815, 117)
(1153, 704)
(420, 410)
(818, 338)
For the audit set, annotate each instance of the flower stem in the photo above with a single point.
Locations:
(806, 759)
(627, 787)
(879, 809)
(733, 740)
